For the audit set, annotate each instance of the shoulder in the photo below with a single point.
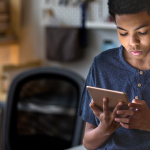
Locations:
(108, 56)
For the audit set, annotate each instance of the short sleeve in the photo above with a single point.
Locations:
(84, 110)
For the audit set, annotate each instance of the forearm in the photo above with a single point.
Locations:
(94, 138)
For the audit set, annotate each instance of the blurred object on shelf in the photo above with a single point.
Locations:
(10, 11)
(78, 2)
(68, 15)
(50, 19)
(7, 39)
(63, 2)
(8, 72)
(108, 44)
(97, 15)
(98, 11)
(4, 27)
(3, 6)
(4, 17)
(66, 47)
(67, 2)
(69, 12)
(94, 11)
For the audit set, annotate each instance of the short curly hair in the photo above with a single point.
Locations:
(121, 7)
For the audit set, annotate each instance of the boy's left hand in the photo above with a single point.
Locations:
(140, 116)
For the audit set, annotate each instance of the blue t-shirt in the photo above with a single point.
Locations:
(109, 70)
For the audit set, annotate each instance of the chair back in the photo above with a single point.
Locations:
(41, 110)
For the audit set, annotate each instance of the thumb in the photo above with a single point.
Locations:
(95, 109)
(136, 101)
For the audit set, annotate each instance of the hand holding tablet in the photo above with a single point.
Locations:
(114, 97)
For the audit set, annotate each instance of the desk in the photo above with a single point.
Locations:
(80, 147)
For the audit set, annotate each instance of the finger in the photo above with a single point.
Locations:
(122, 115)
(126, 112)
(93, 106)
(135, 106)
(125, 120)
(117, 108)
(97, 112)
(126, 116)
(131, 108)
(105, 105)
(127, 126)
(137, 101)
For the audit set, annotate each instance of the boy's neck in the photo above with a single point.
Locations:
(140, 64)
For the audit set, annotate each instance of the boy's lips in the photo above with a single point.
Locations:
(136, 53)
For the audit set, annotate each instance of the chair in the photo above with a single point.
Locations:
(41, 110)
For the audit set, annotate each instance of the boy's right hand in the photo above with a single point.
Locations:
(106, 117)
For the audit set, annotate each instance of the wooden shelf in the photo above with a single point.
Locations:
(95, 25)
(8, 40)
(100, 25)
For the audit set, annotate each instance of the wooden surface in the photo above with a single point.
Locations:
(10, 54)
(8, 72)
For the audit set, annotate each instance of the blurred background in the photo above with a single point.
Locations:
(26, 39)
(52, 33)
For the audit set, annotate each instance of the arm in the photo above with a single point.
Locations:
(95, 137)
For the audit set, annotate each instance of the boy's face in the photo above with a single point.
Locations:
(134, 34)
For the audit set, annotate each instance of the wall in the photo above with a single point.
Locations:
(33, 40)
(32, 31)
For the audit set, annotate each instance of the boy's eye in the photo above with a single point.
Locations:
(123, 34)
(143, 33)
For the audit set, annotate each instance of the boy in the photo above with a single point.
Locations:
(125, 69)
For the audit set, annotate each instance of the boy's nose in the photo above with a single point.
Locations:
(133, 41)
